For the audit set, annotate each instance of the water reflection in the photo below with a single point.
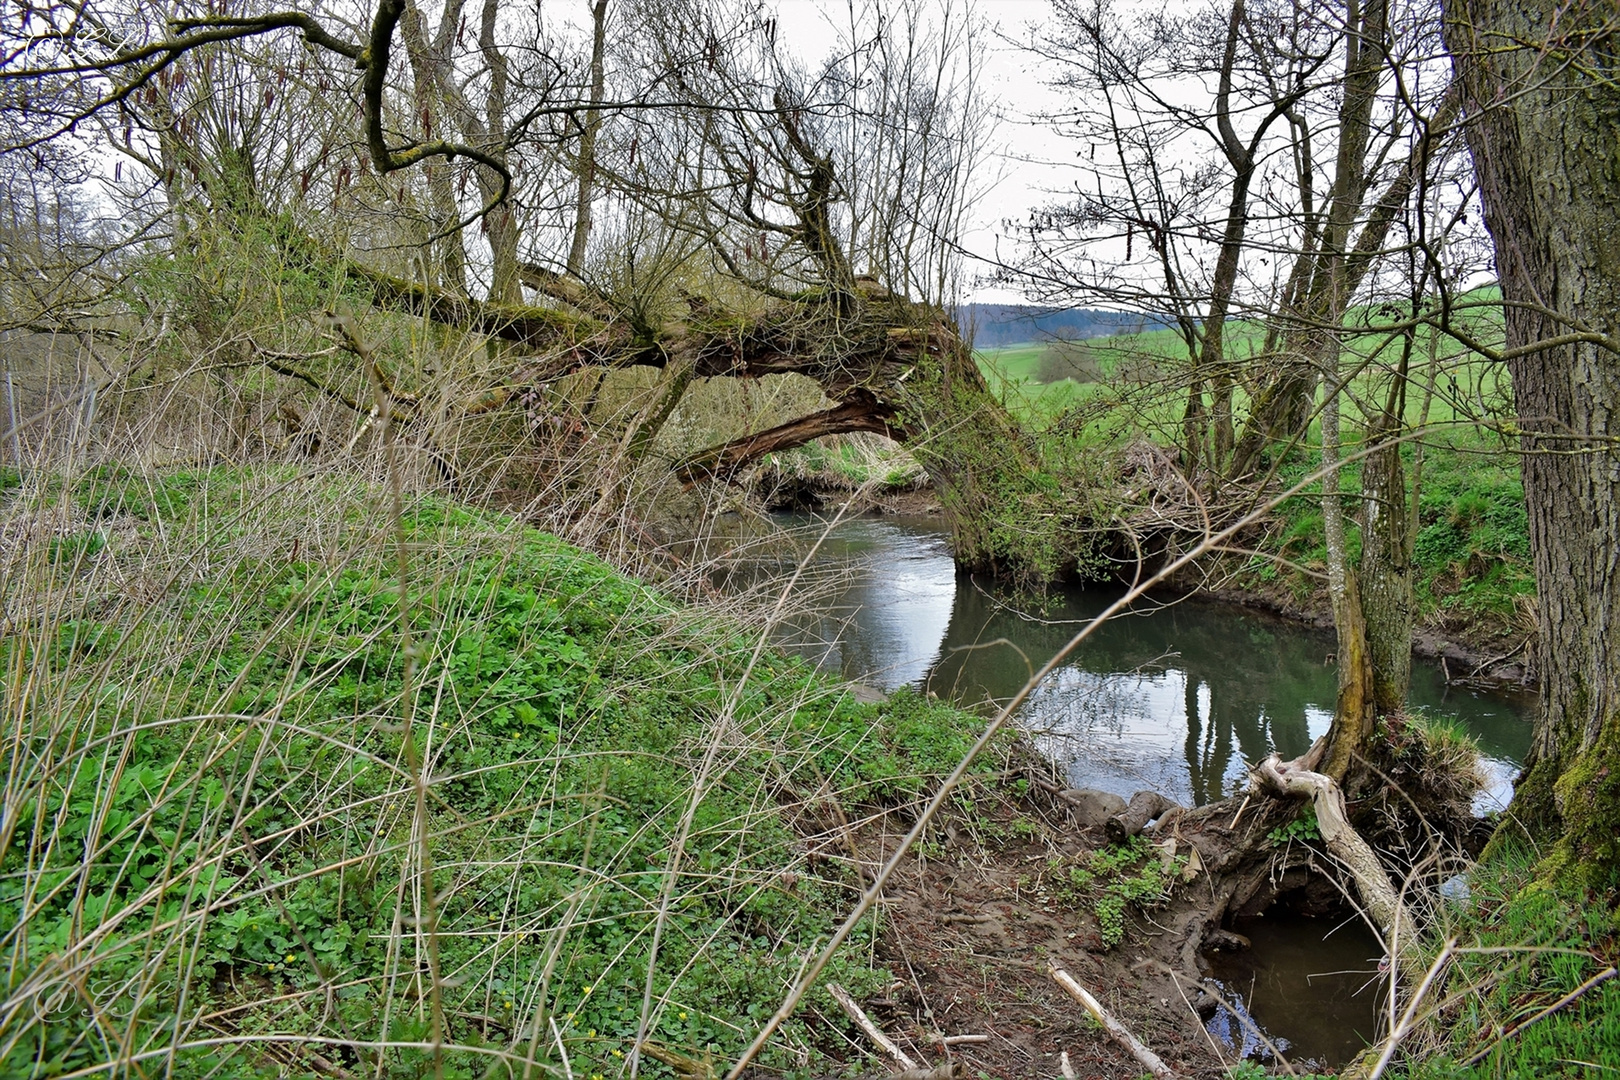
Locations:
(1174, 697)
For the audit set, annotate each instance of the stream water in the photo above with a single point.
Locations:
(1171, 697)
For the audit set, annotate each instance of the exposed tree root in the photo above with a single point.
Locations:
(1379, 897)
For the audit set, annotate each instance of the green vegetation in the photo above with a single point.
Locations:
(1108, 880)
(1302, 828)
(288, 767)
(846, 463)
(1472, 546)
(1524, 944)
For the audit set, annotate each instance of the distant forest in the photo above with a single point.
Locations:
(994, 325)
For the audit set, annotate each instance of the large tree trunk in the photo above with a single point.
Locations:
(891, 365)
(1543, 109)
(1385, 570)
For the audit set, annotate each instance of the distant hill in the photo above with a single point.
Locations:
(995, 325)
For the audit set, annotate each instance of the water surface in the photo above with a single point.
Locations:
(1176, 697)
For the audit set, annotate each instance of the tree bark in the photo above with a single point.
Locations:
(1543, 107)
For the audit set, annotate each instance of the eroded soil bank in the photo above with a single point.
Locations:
(1008, 884)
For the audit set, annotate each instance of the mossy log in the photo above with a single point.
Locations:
(890, 365)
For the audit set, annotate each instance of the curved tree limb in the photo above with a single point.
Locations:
(862, 412)
(1382, 901)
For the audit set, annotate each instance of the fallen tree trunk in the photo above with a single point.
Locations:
(890, 365)
(1143, 808)
(862, 413)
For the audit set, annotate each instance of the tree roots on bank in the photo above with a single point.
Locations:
(1248, 858)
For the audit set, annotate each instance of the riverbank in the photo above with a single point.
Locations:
(307, 780)
(338, 787)
(323, 784)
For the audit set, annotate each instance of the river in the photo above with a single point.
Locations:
(1175, 697)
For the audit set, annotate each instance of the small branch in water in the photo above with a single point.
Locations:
(1150, 1061)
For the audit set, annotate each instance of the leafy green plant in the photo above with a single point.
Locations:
(1112, 879)
(293, 779)
(1303, 828)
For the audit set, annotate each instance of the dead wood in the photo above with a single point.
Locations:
(868, 1028)
(1120, 1034)
(1378, 895)
(1144, 807)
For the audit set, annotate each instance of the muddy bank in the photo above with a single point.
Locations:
(1009, 883)
(1470, 657)
(1021, 874)
(974, 918)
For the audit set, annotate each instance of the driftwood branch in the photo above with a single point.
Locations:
(1143, 808)
(1149, 1060)
(871, 1030)
(1378, 894)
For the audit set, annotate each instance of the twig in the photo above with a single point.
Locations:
(960, 1040)
(1239, 813)
(1597, 980)
(864, 1022)
(1150, 1061)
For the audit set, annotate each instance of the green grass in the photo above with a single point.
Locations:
(1523, 946)
(848, 462)
(280, 768)
(1472, 546)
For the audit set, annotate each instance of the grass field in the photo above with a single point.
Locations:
(1472, 542)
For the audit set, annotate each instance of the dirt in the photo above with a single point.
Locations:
(972, 921)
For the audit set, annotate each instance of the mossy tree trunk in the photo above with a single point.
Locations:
(1543, 106)
(889, 364)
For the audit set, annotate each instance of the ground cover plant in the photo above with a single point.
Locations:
(1531, 991)
(302, 775)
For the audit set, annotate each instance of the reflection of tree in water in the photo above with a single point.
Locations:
(873, 602)
(1244, 684)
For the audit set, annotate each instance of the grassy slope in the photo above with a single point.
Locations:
(1522, 948)
(257, 791)
(1472, 546)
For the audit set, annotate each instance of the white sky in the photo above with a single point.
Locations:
(1027, 165)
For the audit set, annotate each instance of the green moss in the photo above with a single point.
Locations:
(1588, 796)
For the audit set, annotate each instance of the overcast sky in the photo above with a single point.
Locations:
(1027, 164)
